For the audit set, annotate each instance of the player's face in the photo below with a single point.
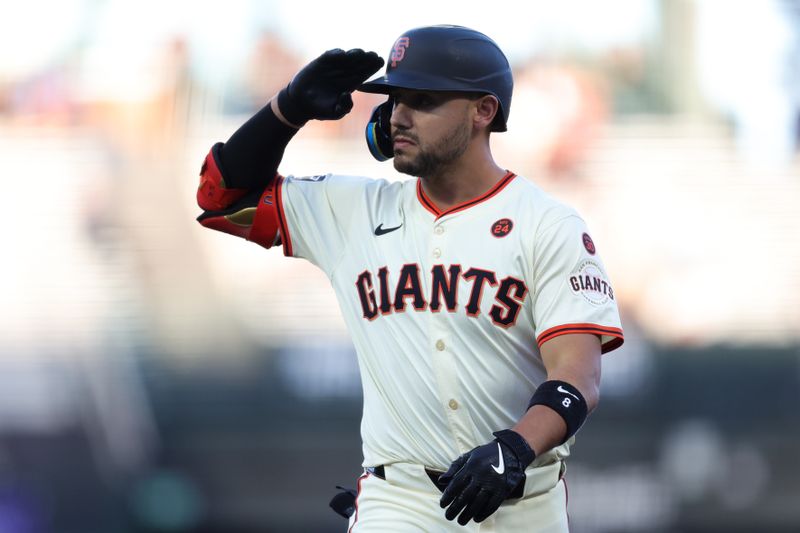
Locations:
(430, 130)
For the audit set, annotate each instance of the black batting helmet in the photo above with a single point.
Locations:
(448, 58)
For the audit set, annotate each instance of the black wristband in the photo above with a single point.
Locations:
(564, 399)
(518, 445)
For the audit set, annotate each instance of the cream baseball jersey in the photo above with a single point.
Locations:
(447, 310)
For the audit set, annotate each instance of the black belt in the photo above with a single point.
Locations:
(434, 475)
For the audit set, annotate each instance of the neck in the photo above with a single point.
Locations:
(464, 179)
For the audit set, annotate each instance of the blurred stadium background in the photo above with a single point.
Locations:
(157, 377)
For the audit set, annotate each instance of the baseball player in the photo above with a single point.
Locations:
(478, 305)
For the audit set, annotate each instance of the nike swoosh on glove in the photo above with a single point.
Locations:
(481, 479)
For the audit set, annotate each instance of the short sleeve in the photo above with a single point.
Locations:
(572, 291)
(314, 214)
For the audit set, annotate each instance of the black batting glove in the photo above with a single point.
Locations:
(322, 89)
(481, 479)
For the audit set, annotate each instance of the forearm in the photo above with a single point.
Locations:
(575, 361)
(250, 158)
(557, 410)
(542, 428)
(238, 173)
(237, 189)
(321, 90)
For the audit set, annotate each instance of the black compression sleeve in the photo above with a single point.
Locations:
(251, 156)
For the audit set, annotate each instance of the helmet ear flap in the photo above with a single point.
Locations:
(378, 132)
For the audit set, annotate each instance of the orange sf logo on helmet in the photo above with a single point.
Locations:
(399, 50)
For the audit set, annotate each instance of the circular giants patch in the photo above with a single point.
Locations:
(588, 243)
(590, 281)
(502, 227)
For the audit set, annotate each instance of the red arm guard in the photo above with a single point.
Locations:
(212, 194)
(254, 218)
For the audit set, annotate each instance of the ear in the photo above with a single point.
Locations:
(486, 107)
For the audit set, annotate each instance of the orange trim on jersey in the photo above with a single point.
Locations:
(286, 239)
(428, 204)
(592, 329)
(358, 493)
(265, 223)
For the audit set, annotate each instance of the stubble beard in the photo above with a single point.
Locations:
(431, 162)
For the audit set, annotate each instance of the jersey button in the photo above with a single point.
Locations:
(440, 345)
(453, 404)
(438, 230)
(437, 253)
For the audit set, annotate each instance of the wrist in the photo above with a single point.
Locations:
(566, 401)
(288, 110)
(517, 444)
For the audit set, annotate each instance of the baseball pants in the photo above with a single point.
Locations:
(407, 501)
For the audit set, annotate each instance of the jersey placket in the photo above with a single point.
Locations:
(444, 357)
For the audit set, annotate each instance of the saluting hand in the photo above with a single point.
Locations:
(322, 89)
